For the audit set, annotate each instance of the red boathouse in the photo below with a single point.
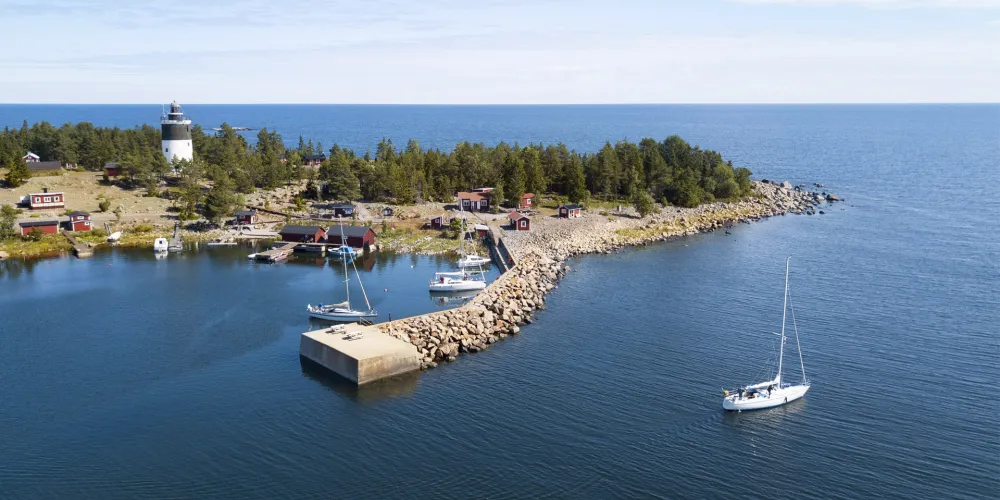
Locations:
(45, 226)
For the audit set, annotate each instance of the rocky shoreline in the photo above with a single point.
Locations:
(510, 301)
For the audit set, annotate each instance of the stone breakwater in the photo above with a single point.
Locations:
(510, 301)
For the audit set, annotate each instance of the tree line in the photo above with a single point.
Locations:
(670, 171)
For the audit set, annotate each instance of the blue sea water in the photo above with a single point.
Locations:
(131, 388)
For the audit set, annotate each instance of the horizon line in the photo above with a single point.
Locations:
(817, 103)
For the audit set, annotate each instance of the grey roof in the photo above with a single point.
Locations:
(335, 206)
(349, 231)
(78, 212)
(33, 223)
(314, 157)
(44, 165)
(245, 212)
(310, 230)
(572, 206)
(111, 164)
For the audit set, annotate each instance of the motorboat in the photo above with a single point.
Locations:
(773, 392)
(343, 251)
(459, 281)
(472, 260)
(114, 237)
(160, 245)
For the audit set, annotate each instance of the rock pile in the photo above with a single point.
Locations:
(510, 301)
(498, 312)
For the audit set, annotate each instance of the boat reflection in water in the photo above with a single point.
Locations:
(452, 299)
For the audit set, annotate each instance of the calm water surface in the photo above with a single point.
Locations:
(181, 378)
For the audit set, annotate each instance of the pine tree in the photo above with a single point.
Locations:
(17, 173)
(220, 201)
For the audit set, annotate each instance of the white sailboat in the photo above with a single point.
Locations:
(771, 393)
(342, 311)
(469, 259)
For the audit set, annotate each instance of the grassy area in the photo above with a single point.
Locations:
(410, 237)
(50, 244)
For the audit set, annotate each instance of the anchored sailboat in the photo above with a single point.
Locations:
(342, 311)
(469, 259)
(771, 393)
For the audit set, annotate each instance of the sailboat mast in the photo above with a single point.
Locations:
(343, 257)
(784, 311)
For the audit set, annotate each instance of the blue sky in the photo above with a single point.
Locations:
(490, 51)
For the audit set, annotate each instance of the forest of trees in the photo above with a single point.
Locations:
(669, 171)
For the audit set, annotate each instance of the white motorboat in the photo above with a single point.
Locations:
(160, 245)
(771, 393)
(472, 260)
(115, 236)
(342, 311)
(459, 281)
(343, 251)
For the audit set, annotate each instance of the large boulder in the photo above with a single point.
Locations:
(786, 185)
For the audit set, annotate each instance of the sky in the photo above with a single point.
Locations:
(500, 52)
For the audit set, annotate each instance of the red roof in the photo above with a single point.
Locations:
(516, 215)
(527, 195)
(472, 196)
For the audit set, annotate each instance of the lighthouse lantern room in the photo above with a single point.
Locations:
(176, 135)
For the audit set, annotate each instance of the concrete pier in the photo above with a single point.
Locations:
(371, 357)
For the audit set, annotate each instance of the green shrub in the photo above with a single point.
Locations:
(142, 228)
(104, 204)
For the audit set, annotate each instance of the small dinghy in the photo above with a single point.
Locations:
(160, 245)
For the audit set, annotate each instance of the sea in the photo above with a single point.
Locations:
(124, 376)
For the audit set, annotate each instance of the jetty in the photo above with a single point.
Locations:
(176, 244)
(81, 250)
(275, 254)
(359, 353)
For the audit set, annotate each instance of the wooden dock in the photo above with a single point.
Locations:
(81, 250)
(275, 254)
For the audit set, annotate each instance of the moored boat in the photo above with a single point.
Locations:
(458, 281)
(342, 311)
(160, 245)
(771, 393)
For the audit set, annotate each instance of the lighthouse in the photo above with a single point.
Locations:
(176, 135)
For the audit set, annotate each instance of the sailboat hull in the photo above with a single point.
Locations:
(341, 315)
(763, 401)
(457, 286)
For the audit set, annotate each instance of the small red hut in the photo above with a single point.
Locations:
(246, 217)
(520, 221)
(527, 201)
(439, 222)
(567, 211)
(79, 221)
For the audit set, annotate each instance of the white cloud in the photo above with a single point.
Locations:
(888, 4)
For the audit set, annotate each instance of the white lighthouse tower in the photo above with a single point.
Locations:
(176, 135)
